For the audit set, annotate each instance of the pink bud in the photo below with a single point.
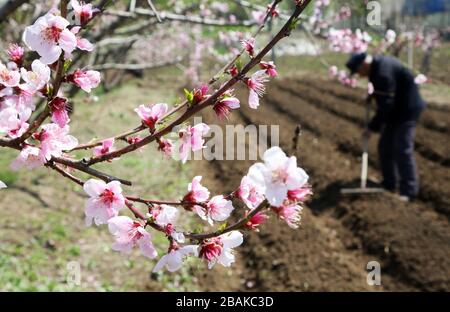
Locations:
(255, 221)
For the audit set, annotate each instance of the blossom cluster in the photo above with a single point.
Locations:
(347, 41)
(276, 185)
(22, 84)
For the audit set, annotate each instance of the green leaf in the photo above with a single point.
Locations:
(294, 23)
(223, 226)
(239, 64)
(67, 65)
(189, 95)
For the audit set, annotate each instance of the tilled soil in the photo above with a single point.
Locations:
(340, 235)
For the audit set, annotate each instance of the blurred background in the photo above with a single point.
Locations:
(148, 55)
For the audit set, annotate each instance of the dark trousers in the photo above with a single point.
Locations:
(396, 152)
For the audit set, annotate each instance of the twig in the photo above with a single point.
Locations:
(135, 66)
(91, 171)
(230, 228)
(150, 3)
(179, 18)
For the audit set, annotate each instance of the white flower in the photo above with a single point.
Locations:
(8, 78)
(277, 175)
(220, 249)
(49, 37)
(174, 259)
(105, 201)
(129, 233)
(37, 78)
(420, 79)
(165, 214)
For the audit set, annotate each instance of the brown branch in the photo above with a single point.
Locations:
(65, 174)
(134, 66)
(91, 171)
(10, 7)
(236, 226)
(179, 18)
(117, 137)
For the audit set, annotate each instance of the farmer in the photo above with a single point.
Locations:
(399, 105)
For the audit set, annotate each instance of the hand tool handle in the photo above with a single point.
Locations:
(365, 143)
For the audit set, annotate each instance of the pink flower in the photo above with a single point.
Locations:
(12, 122)
(197, 193)
(200, 94)
(8, 78)
(269, 67)
(105, 201)
(277, 175)
(234, 71)
(60, 115)
(370, 88)
(218, 209)
(165, 146)
(83, 12)
(333, 71)
(258, 16)
(225, 105)
(82, 43)
(129, 233)
(150, 114)
(37, 78)
(105, 148)
(290, 213)
(251, 194)
(249, 46)
(301, 194)
(272, 10)
(164, 214)
(22, 100)
(173, 260)
(49, 37)
(54, 140)
(256, 87)
(220, 249)
(390, 36)
(255, 221)
(170, 232)
(29, 157)
(133, 140)
(420, 79)
(86, 80)
(191, 138)
(15, 54)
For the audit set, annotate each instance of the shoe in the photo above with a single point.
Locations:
(404, 198)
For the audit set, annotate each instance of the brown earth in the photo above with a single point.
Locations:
(340, 235)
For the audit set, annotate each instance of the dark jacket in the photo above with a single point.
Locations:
(397, 95)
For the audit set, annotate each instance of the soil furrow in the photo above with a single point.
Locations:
(346, 136)
(430, 144)
(399, 228)
(435, 117)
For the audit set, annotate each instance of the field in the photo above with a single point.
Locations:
(340, 235)
(41, 218)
